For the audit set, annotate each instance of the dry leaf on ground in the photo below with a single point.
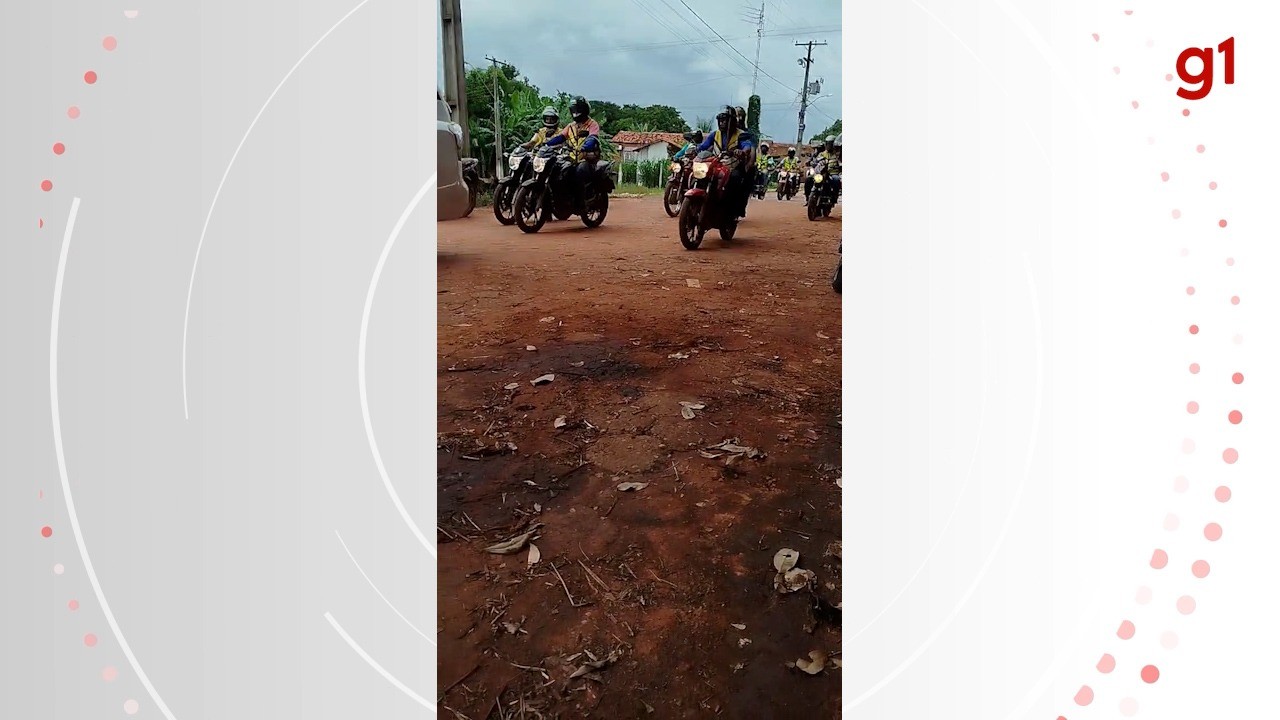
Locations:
(785, 559)
(629, 486)
(543, 379)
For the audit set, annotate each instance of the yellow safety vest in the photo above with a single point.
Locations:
(733, 141)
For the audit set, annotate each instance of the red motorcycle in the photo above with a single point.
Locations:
(707, 204)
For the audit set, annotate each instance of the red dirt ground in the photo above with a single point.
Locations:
(667, 570)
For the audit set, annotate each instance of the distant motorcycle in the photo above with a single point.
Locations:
(788, 183)
(823, 195)
(673, 196)
(707, 205)
(504, 195)
(762, 185)
(549, 191)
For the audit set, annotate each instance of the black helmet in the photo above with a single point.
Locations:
(742, 117)
(580, 109)
(829, 143)
(791, 152)
(550, 117)
(725, 119)
(698, 137)
(764, 148)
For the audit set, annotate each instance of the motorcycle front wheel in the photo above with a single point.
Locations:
(672, 199)
(504, 203)
(811, 207)
(531, 209)
(690, 215)
(727, 232)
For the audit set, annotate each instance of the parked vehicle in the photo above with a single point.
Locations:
(453, 197)
(550, 191)
(677, 185)
(706, 204)
(823, 195)
(504, 193)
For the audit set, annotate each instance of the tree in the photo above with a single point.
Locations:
(704, 124)
(833, 131)
(753, 114)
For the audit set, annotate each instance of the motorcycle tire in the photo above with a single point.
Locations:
(811, 208)
(835, 281)
(594, 217)
(504, 204)
(472, 190)
(690, 212)
(727, 233)
(671, 200)
(531, 211)
(780, 194)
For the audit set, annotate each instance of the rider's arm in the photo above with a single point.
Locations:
(556, 139)
(707, 142)
(680, 153)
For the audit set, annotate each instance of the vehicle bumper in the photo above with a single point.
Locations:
(451, 199)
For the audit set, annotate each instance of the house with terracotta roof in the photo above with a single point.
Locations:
(640, 146)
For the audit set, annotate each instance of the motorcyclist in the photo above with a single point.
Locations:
(729, 139)
(550, 126)
(692, 140)
(583, 137)
(790, 164)
(762, 165)
(829, 156)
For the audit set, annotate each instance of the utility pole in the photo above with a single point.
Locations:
(759, 18)
(455, 73)
(497, 121)
(806, 61)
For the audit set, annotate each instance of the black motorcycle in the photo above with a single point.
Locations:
(504, 195)
(762, 184)
(471, 175)
(824, 193)
(550, 191)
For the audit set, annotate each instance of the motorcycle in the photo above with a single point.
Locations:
(504, 194)
(787, 183)
(762, 184)
(823, 195)
(707, 204)
(549, 191)
(835, 281)
(673, 196)
(471, 175)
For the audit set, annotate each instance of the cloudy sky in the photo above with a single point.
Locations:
(658, 52)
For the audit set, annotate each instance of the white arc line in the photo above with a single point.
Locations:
(379, 592)
(186, 313)
(1013, 507)
(62, 467)
(364, 391)
(381, 670)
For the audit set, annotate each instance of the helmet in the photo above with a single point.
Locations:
(550, 117)
(791, 152)
(741, 115)
(840, 140)
(580, 109)
(764, 148)
(725, 119)
(698, 137)
(829, 142)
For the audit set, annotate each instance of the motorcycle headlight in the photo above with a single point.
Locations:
(539, 163)
(514, 161)
(817, 177)
(675, 167)
(700, 169)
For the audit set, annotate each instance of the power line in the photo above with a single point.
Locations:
(744, 57)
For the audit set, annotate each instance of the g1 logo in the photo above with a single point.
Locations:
(1205, 77)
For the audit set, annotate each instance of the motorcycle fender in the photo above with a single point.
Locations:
(531, 183)
(695, 193)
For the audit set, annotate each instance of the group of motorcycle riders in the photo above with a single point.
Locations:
(730, 137)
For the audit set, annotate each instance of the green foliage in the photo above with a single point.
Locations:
(651, 172)
(833, 131)
(753, 114)
(704, 124)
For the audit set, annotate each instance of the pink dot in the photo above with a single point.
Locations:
(40, 222)
(1186, 604)
(1084, 696)
(1128, 707)
(1199, 148)
(91, 77)
(1230, 456)
(1144, 595)
(1235, 299)
(1193, 329)
(46, 185)
(1213, 185)
(58, 569)
(1116, 69)
(1095, 37)
(1171, 522)
(1237, 378)
(90, 640)
(1169, 639)
(1185, 112)
(1191, 290)
(1231, 262)
(109, 43)
(1200, 569)
(1168, 77)
(1126, 630)
(131, 707)
(1234, 417)
(1159, 559)
(1213, 532)
(1222, 494)
(1180, 484)
(109, 673)
(1222, 223)
(1106, 664)
(1135, 104)
(46, 531)
(59, 148)
(1150, 674)
(73, 605)
(1177, 214)
(1164, 176)
(1193, 407)
(1195, 368)
(73, 112)
(1188, 446)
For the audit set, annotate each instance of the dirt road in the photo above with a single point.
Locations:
(669, 587)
